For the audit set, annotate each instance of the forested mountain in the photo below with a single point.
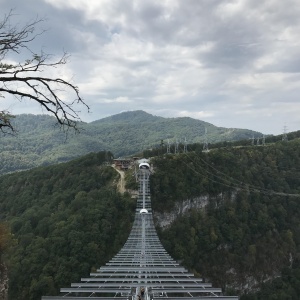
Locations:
(39, 142)
(68, 219)
(248, 236)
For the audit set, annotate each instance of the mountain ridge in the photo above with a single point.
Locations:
(128, 116)
(41, 142)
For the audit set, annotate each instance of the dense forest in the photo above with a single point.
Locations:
(38, 142)
(68, 219)
(248, 236)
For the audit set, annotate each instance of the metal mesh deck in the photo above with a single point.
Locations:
(142, 267)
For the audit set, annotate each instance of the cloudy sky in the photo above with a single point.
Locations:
(231, 63)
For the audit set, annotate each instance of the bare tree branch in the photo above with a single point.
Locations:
(25, 80)
(12, 38)
(5, 118)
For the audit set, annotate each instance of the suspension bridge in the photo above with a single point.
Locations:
(142, 270)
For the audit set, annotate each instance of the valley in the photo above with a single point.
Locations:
(233, 218)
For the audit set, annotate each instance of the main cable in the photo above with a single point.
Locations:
(230, 181)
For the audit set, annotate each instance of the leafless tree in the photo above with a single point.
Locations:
(27, 79)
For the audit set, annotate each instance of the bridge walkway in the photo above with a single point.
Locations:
(142, 269)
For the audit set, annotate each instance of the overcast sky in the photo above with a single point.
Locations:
(230, 63)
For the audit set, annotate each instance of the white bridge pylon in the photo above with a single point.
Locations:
(142, 269)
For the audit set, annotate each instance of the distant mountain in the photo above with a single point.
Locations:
(130, 117)
(40, 142)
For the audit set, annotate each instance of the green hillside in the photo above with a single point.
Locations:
(39, 142)
(248, 236)
(68, 219)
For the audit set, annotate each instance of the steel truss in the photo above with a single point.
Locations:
(142, 269)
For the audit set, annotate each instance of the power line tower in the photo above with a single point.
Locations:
(168, 147)
(176, 146)
(252, 140)
(263, 140)
(257, 141)
(284, 136)
(205, 144)
(185, 146)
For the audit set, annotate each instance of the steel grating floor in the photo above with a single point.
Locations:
(142, 269)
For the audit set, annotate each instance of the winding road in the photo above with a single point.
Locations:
(121, 183)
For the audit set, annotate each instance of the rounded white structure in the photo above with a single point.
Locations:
(144, 166)
(143, 211)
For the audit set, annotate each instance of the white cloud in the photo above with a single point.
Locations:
(234, 63)
(116, 100)
(195, 114)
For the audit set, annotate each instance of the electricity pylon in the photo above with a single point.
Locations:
(205, 144)
(284, 135)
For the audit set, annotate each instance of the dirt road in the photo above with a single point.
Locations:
(121, 183)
